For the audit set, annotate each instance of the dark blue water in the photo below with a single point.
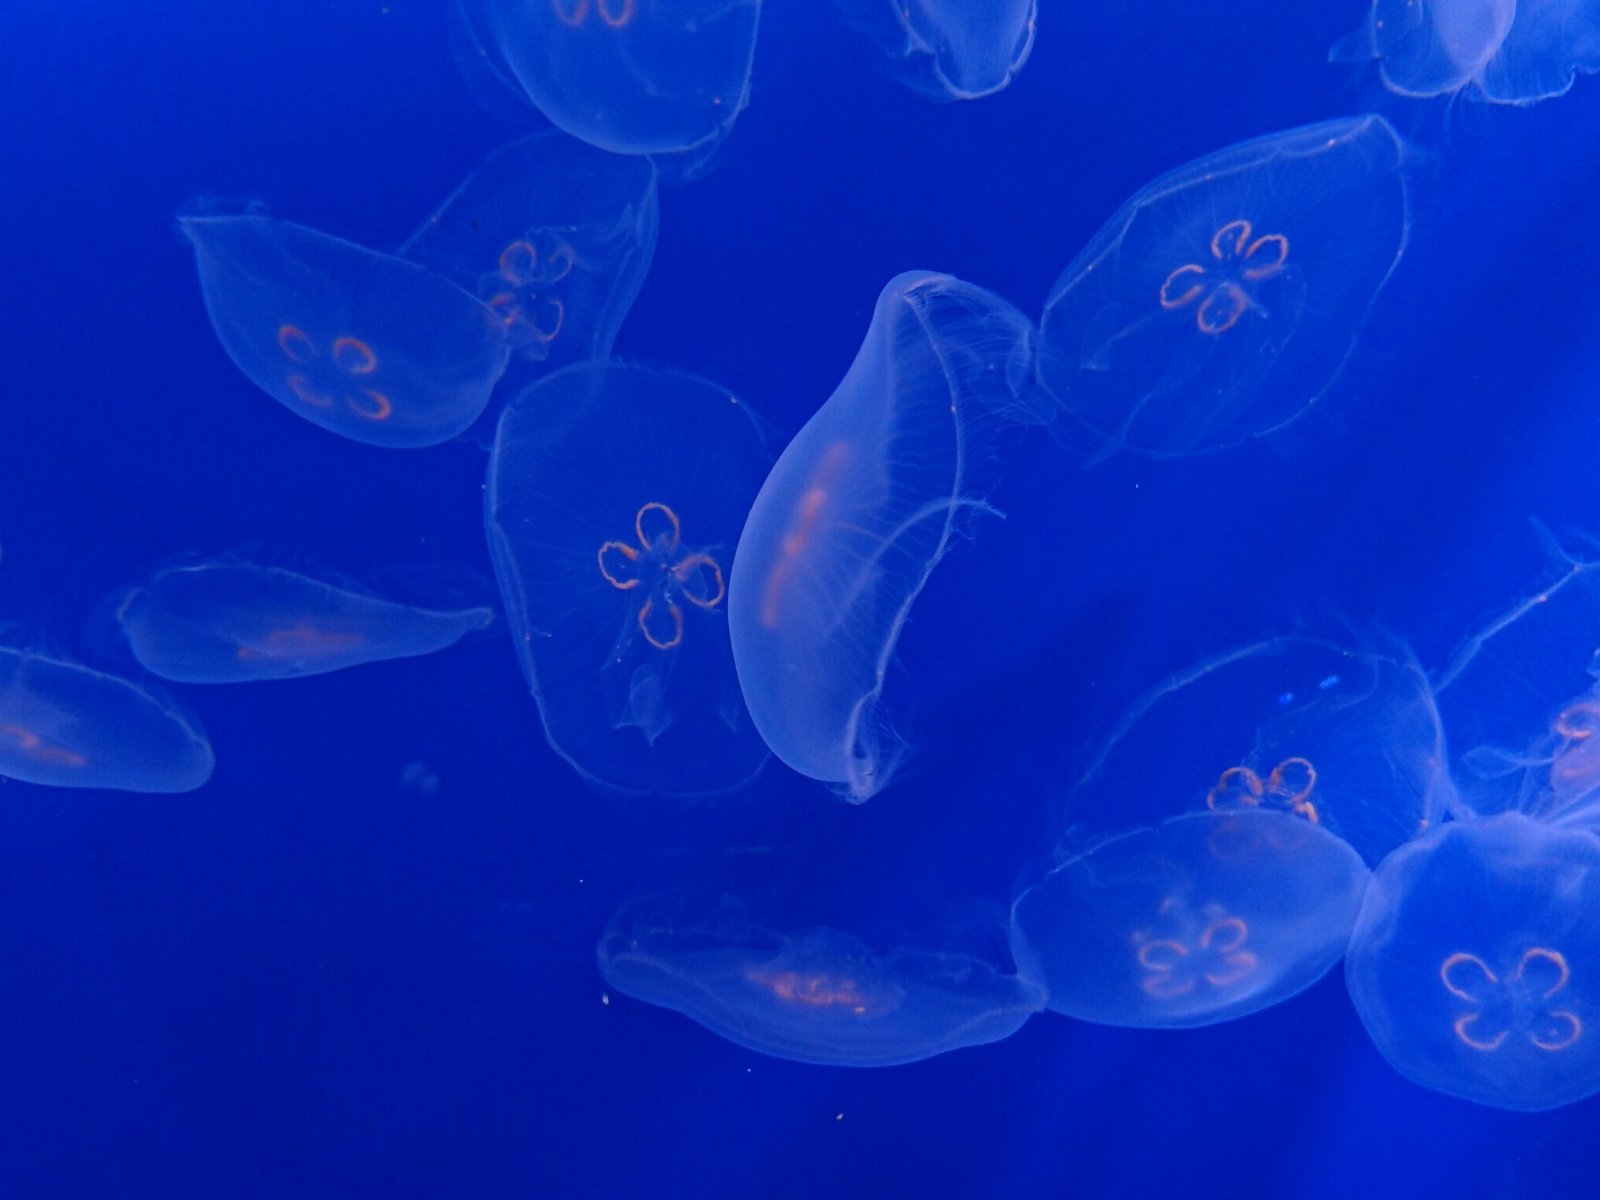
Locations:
(306, 980)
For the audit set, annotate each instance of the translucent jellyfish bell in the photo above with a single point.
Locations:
(949, 49)
(554, 236)
(1219, 846)
(229, 621)
(365, 345)
(1475, 962)
(1506, 51)
(65, 725)
(1223, 299)
(613, 501)
(813, 995)
(859, 510)
(629, 76)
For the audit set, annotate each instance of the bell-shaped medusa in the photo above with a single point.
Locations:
(614, 498)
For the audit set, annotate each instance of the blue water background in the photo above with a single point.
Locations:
(307, 981)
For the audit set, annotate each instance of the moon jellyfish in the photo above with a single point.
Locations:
(813, 995)
(629, 76)
(1506, 51)
(554, 236)
(1218, 847)
(1475, 963)
(65, 725)
(363, 344)
(948, 49)
(236, 622)
(614, 497)
(859, 510)
(1223, 299)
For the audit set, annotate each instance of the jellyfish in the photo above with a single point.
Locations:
(229, 621)
(1219, 845)
(813, 995)
(66, 725)
(365, 345)
(614, 498)
(859, 510)
(554, 236)
(1504, 51)
(628, 76)
(948, 49)
(1475, 961)
(1223, 299)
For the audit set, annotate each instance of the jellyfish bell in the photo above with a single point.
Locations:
(858, 511)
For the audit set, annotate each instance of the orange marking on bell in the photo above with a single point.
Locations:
(1225, 788)
(1555, 958)
(1238, 232)
(306, 394)
(41, 749)
(690, 565)
(1238, 966)
(673, 532)
(818, 990)
(1269, 266)
(301, 640)
(547, 336)
(294, 343)
(377, 406)
(1461, 959)
(353, 356)
(1578, 721)
(1187, 296)
(1574, 1032)
(1232, 930)
(564, 258)
(1220, 311)
(1462, 1024)
(674, 613)
(798, 537)
(573, 14)
(611, 576)
(518, 261)
(1161, 954)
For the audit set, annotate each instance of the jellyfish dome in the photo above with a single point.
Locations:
(1218, 847)
(362, 344)
(948, 49)
(1475, 961)
(231, 621)
(66, 725)
(1223, 299)
(815, 994)
(1504, 51)
(859, 510)
(613, 500)
(628, 76)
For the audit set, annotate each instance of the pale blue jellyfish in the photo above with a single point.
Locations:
(1475, 963)
(948, 49)
(628, 76)
(1217, 849)
(1223, 299)
(230, 621)
(859, 510)
(614, 498)
(814, 995)
(363, 344)
(66, 725)
(1505, 51)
